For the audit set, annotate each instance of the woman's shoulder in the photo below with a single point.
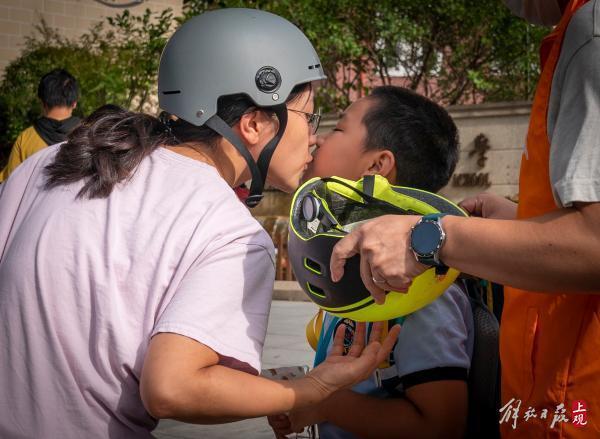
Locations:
(194, 197)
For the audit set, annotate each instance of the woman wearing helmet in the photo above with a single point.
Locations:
(134, 284)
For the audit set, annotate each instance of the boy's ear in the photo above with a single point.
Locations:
(383, 162)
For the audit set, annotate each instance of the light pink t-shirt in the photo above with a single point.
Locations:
(84, 284)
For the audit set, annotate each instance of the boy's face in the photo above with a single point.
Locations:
(341, 152)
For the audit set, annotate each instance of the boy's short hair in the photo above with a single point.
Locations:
(419, 132)
(58, 88)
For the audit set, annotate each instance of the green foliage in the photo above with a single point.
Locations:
(469, 50)
(115, 62)
(453, 51)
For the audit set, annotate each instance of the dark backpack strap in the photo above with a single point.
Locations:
(369, 185)
(484, 374)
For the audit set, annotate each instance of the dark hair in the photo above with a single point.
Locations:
(58, 88)
(419, 132)
(111, 142)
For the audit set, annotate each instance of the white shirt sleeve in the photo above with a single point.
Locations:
(437, 336)
(575, 137)
(224, 300)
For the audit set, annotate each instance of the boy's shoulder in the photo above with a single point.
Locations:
(30, 134)
(455, 297)
(452, 308)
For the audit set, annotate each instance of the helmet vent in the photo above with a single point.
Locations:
(172, 92)
(316, 291)
(316, 66)
(313, 266)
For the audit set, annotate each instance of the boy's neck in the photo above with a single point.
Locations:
(59, 113)
(392, 176)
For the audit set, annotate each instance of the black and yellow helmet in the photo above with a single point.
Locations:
(324, 210)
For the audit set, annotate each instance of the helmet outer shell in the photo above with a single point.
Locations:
(310, 255)
(220, 53)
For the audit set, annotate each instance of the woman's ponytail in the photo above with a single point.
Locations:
(106, 149)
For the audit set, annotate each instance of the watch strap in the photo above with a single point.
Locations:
(440, 267)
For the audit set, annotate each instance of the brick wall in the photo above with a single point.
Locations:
(72, 18)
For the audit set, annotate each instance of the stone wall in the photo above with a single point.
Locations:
(504, 129)
(72, 18)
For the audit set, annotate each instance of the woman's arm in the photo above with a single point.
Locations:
(181, 379)
(559, 251)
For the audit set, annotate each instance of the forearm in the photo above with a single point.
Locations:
(218, 394)
(377, 417)
(557, 252)
(182, 379)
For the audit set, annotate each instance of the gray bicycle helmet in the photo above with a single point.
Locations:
(235, 51)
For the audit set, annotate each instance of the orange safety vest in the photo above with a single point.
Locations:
(549, 343)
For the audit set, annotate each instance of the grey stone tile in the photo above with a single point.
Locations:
(251, 428)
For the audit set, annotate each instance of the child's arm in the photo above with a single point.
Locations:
(431, 410)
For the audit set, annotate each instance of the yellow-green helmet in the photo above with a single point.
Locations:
(324, 210)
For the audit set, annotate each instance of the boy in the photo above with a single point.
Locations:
(58, 92)
(423, 392)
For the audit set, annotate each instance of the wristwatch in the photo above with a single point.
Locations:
(426, 239)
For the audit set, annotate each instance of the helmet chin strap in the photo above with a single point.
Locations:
(260, 168)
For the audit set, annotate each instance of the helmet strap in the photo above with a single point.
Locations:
(267, 153)
(260, 168)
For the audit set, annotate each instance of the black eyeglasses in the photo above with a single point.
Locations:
(313, 119)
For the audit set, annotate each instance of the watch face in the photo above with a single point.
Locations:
(425, 238)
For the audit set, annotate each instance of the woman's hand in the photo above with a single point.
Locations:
(339, 371)
(487, 205)
(386, 261)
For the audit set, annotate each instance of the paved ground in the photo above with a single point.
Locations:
(285, 346)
